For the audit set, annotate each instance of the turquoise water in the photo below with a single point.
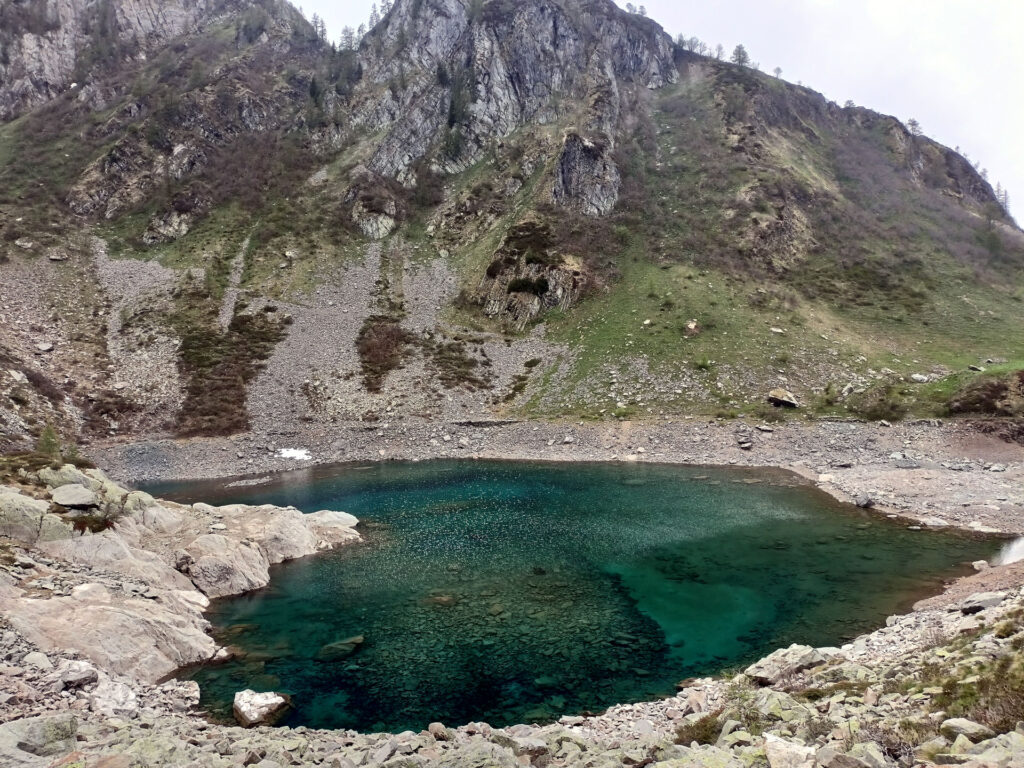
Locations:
(510, 592)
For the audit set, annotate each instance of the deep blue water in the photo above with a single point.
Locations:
(508, 592)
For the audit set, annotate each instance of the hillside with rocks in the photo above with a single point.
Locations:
(214, 222)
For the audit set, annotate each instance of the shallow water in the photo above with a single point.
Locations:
(510, 592)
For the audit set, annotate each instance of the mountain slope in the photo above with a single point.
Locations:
(489, 208)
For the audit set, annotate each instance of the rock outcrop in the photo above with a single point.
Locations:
(45, 43)
(586, 179)
(135, 596)
(504, 65)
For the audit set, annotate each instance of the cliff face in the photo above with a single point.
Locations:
(473, 77)
(46, 44)
(186, 177)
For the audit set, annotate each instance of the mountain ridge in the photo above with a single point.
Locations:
(557, 165)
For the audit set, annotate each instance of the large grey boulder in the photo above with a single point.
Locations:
(999, 750)
(980, 601)
(784, 663)
(113, 699)
(68, 474)
(222, 566)
(252, 708)
(35, 741)
(28, 521)
(959, 726)
(74, 496)
(786, 754)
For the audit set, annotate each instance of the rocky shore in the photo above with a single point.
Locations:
(939, 473)
(102, 592)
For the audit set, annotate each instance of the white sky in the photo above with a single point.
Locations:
(957, 66)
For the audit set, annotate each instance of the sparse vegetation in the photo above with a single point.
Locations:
(704, 730)
(383, 345)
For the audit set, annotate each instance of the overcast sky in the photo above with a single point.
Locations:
(957, 66)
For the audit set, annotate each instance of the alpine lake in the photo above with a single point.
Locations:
(513, 592)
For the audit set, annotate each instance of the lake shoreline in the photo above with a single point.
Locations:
(934, 473)
(122, 714)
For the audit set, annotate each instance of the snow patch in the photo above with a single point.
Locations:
(299, 454)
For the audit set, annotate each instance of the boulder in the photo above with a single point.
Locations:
(979, 601)
(152, 516)
(38, 660)
(959, 726)
(341, 649)
(28, 521)
(25, 742)
(73, 674)
(74, 496)
(330, 519)
(252, 708)
(440, 732)
(783, 398)
(113, 699)
(776, 705)
(869, 754)
(999, 750)
(222, 566)
(68, 474)
(786, 754)
(784, 663)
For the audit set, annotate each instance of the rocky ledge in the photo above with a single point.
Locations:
(94, 619)
(123, 578)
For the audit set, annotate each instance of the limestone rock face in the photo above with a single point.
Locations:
(586, 179)
(43, 45)
(505, 64)
(252, 708)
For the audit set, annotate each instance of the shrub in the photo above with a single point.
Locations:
(455, 368)
(703, 731)
(217, 366)
(382, 345)
(48, 443)
(996, 700)
(881, 403)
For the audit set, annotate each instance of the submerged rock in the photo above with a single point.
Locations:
(341, 649)
(252, 708)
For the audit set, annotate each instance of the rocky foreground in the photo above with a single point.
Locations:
(102, 592)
